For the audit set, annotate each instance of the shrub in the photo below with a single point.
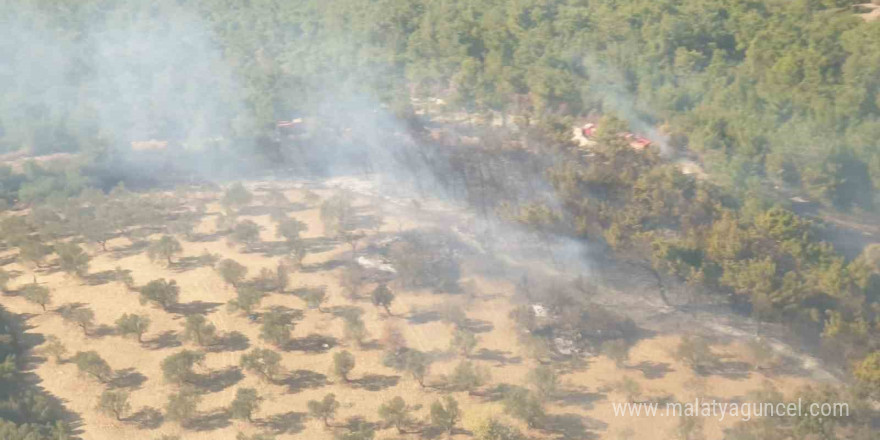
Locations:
(178, 368)
(73, 259)
(445, 414)
(164, 248)
(324, 409)
(263, 362)
(343, 363)
(115, 403)
(244, 405)
(162, 292)
(131, 324)
(37, 294)
(232, 272)
(91, 363)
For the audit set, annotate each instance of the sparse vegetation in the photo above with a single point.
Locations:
(324, 409)
(276, 327)
(445, 414)
(262, 362)
(161, 292)
(133, 325)
(199, 330)
(115, 403)
(178, 368)
(343, 363)
(165, 248)
(245, 404)
(92, 364)
(37, 294)
(232, 272)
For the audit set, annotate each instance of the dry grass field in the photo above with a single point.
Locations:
(580, 409)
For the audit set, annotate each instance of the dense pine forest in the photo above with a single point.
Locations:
(781, 90)
(773, 98)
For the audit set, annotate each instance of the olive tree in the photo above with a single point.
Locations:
(232, 272)
(245, 232)
(197, 328)
(315, 297)
(123, 276)
(445, 414)
(545, 381)
(92, 364)
(524, 405)
(72, 259)
(396, 413)
(343, 363)
(324, 409)
(352, 279)
(164, 248)
(276, 327)
(382, 296)
(178, 368)
(34, 251)
(114, 403)
(247, 299)
(183, 405)
(162, 292)
(37, 294)
(354, 328)
(464, 341)
(245, 404)
(290, 229)
(468, 376)
(133, 325)
(236, 196)
(54, 348)
(695, 352)
(82, 317)
(263, 362)
(492, 429)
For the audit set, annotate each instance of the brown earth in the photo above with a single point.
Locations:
(584, 403)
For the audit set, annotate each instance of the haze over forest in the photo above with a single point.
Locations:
(506, 214)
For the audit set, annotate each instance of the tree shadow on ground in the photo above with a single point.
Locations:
(573, 426)
(208, 422)
(231, 341)
(218, 380)
(185, 264)
(130, 250)
(432, 432)
(127, 378)
(146, 418)
(478, 326)
(313, 343)
(734, 370)
(166, 339)
(285, 423)
(300, 380)
(581, 398)
(194, 308)
(205, 237)
(497, 356)
(375, 382)
(652, 370)
(99, 331)
(326, 265)
(424, 317)
(99, 278)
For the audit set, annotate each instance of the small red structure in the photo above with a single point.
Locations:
(639, 142)
(588, 130)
